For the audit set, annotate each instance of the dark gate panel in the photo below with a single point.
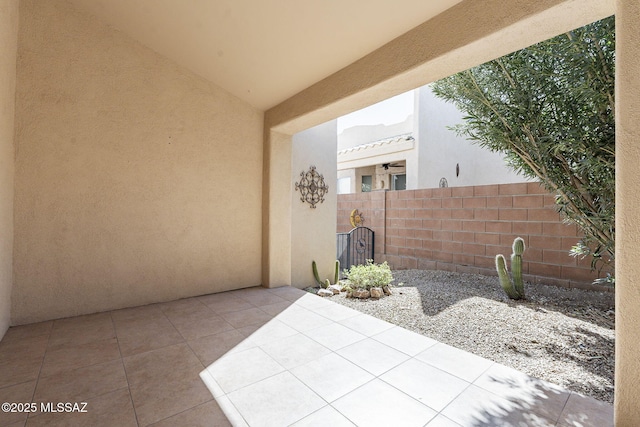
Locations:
(355, 247)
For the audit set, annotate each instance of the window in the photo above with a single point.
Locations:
(344, 185)
(399, 182)
(366, 183)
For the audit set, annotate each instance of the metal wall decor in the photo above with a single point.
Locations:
(312, 187)
(443, 183)
(356, 218)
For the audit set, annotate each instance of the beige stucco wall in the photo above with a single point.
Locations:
(8, 46)
(627, 378)
(439, 150)
(313, 231)
(136, 181)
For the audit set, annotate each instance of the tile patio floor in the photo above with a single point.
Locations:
(266, 357)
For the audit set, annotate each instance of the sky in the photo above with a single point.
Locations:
(390, 111)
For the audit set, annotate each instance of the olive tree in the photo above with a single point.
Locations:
(550, 108)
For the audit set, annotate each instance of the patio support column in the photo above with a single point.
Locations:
(276, 209)
(627, 367)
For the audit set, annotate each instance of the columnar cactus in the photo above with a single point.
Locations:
(327, 282)
(513, 290)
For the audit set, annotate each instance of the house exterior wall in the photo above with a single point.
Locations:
(462, 229)
(627, 366)
(8, 47)
(363, 134)
(312, 230)
(136, 181)
(440, 149)
(432, 154)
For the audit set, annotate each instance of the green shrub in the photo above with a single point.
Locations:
(369, 275)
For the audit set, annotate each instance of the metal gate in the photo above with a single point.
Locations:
(355, 247)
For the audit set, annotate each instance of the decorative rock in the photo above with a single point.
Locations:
(336, 289)
(361, 293)
(386, 290)
(325, 293)
(376, 292)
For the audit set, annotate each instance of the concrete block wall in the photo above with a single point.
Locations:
(462, 229)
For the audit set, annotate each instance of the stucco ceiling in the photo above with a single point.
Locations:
(264, 51)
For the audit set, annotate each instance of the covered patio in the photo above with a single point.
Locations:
(266, 357)
(147, 169)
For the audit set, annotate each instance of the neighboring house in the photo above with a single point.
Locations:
(420, 152)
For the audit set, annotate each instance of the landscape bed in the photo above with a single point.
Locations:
(564, 336)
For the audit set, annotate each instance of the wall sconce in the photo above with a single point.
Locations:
(312, 187)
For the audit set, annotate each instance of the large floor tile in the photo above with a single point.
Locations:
(457, 362)
(141, 335)
(259, 296)
(283, 400)
(225, 302)
(276, 308)
(295, 350)
(442, 421)
(81, 329)
(379, 404)
(313, 302)
(335, 312)
(135, 314)
(207, 414)
(260, 334)
(72, 356)
(373, 356)
(404, 340)
(324, 417)
(536, 395)
(110, 409)
(198, 322)
(288, 292)
(81, 384)
(21, 357)
(185, 305)
(17, 371)
(165, 382)
(210, 348)
(240, 369)
(584, 411)
(19, 393)
(302, 319)
(27, 331)
(366, 325)
(13, 348)
(247, 317)
(332, 376)
(425, 383)
(334, 336)
(478, 407)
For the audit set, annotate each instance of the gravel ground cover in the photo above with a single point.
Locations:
(565, 336)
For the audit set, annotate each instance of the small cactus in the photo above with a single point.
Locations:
(327, 282)
(513, 290)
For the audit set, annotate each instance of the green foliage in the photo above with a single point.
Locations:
(550, 108)
(314, 268)
(513, 290)
(369, 275)
(327, 282)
